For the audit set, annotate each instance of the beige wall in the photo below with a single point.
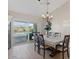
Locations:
(61, 20)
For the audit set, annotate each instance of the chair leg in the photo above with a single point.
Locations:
(35, 47)
(67, 53)
(62, 55)
(44, 53)
(38, 48)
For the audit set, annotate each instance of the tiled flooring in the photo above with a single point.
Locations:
(26, 51)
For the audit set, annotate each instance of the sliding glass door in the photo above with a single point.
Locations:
(22, 31)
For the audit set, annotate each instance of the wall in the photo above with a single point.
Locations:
(61, 20)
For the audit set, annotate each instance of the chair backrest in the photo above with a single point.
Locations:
(66, 41)
(41, 40)
(35, 38)
(56, 34)
(41, 35)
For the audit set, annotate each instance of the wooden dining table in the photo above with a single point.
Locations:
(53, 41)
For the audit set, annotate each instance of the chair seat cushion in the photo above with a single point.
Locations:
(61, 44)
(61, 49)
(46, 46)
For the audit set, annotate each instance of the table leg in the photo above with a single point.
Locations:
(54, 52)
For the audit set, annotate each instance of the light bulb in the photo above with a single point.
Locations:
(51, 16)
(43, 16)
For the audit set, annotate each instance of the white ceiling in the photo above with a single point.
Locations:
(33, 7)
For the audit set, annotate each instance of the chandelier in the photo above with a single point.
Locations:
(47, 16)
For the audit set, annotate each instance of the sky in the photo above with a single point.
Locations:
(22, 24)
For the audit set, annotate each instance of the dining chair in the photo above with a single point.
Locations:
(57, 34)
(64, 46)
(35, 40)
(42, 45)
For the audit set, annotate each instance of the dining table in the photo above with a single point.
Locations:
(53, 41)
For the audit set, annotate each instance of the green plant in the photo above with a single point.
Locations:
(48, 27)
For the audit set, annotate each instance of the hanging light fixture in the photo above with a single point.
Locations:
(47, 16)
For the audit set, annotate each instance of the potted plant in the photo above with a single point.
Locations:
(48, 27)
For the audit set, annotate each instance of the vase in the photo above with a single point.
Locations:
(48, 34)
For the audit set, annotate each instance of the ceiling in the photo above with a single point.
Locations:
(33, 7)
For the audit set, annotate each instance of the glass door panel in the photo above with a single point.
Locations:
(22, 31)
